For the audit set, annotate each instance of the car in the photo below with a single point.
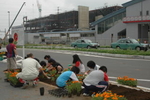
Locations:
(84, 43)
(128, 43)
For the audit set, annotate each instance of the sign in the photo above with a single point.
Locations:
(15, 37)
(135, 19)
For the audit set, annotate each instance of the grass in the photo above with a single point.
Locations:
(104, 49)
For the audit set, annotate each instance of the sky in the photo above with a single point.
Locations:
(10, 8)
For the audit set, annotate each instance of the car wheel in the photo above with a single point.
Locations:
(117, 47)
(96, 47)
(88, 47)
(138, 48)
(145, 49)
(75, 46)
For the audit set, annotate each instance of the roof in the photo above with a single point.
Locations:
(108, 16)
(131, 3)
(88, 31)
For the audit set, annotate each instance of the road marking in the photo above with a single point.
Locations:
(98, 56)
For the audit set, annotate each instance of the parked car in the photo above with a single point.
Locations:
(84, 43)
(128, 43)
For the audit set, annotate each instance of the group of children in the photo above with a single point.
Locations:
(96, 79)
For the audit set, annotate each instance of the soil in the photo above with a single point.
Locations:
(130, 94)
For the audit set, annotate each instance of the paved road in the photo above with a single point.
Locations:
(135, 68)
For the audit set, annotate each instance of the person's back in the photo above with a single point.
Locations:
(61, 80)
(65, 76)
(29, 66)
(94, 77)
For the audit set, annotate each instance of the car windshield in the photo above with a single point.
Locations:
(88, 41)
(134, 41)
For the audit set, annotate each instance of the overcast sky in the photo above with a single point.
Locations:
(30, 8)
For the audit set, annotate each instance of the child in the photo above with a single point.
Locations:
(104, 69)
(95, 81)
(78, 63)
(92, 66)
(43, 64)
(54, 64)
(65, 76)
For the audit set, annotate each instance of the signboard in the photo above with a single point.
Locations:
(15, 37)
(135, 19)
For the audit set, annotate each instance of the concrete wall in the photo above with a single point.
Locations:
(135, 9)
(83, 18)
(105, 38)
(133, 29)
(33, 38)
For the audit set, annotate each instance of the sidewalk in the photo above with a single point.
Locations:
(8, 92)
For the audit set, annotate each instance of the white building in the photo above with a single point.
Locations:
(133, 21)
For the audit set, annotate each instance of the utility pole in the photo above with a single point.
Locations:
(9, 22)
(58, 17)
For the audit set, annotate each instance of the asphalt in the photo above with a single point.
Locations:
(8, 92)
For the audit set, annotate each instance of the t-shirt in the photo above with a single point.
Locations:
(30, 66)
(95, 68)
(64, 77)
(94, 77)
(10, 50)
(106, 77)
(80, 66)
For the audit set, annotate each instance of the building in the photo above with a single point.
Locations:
(133, 20)
(60, 27)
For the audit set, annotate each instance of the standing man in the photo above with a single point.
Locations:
(11, 55)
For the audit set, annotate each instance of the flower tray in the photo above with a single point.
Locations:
(58, 92)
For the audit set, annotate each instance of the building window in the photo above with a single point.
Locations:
(141, 13)
(147, 12)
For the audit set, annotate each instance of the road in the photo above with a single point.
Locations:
(117, 67)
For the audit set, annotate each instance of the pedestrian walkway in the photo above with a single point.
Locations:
(8, 92)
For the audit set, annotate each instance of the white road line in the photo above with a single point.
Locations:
(99, 56)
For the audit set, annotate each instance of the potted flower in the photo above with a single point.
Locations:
(11, 77)
(108, 96)
(127, 81)
(78, 88)
(69, 89)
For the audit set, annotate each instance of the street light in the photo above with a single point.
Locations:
(9, 22)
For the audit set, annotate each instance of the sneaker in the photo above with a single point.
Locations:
(25, 86)
(34, 84)
(85, 94)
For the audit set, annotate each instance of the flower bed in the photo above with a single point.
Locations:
(11, 78)
(74, 87)
(108, 95)
(128, 93)
(127, 81)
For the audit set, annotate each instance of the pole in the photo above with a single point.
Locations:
(24, 37)
(13, 21)
(9, 21)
